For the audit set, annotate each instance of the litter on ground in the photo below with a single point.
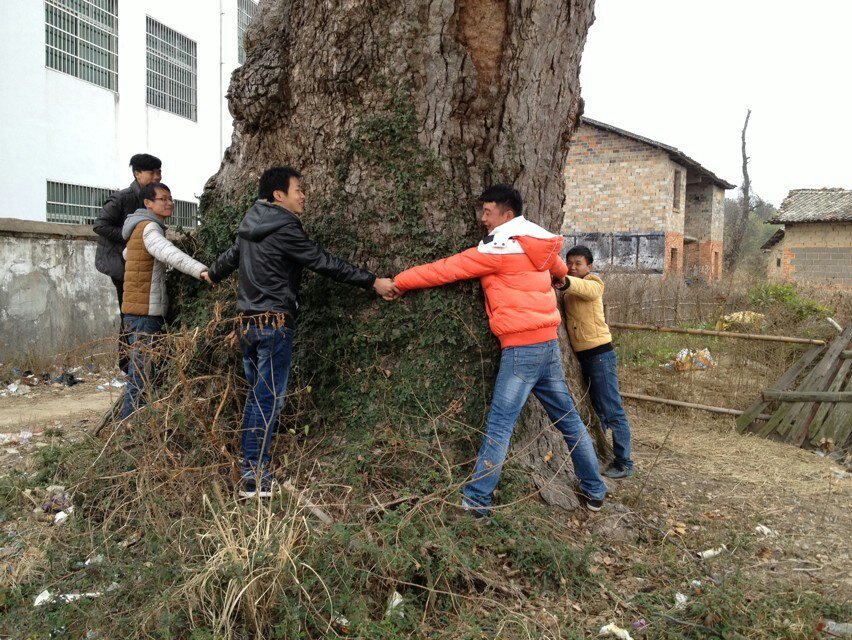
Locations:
(688, 360)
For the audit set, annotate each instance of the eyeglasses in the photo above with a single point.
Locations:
(165, 199)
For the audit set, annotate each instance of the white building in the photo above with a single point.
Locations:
(85, 84)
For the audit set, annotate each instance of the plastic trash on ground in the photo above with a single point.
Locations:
(56, 498)
(764, 530)
(341, 624)
(836, 629)
(614, 631)
(18, 389)
(680, 600)
(45, 597)
(747, 321)
(394, 601)
(94, 560)
(711, 553)
(688, 360)
(62, 516)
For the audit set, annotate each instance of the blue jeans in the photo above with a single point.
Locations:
(142, 334)
(601, 374)
(267, 354)
(535, 368)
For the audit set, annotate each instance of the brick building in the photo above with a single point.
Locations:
(815, 245)
(641, 205)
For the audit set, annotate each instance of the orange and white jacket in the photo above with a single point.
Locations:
(515, 264)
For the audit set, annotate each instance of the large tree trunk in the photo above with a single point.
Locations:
(398, 112)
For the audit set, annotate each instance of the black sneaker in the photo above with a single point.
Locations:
(617, 473)
(593, 504)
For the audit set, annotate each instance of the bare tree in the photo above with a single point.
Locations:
(742, 222)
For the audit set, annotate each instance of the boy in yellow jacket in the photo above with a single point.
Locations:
(592, 343)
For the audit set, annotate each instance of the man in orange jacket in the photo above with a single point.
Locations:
(516, 264)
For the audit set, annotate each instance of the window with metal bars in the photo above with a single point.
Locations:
(81, 39)
(78, 204)
(185, 215)
(74, 203)
(172, 79)
(245, 12)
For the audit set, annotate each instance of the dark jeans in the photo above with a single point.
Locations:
(601, 374)
(536, 369)
(267, 354)
(123, 341)
(143, 334)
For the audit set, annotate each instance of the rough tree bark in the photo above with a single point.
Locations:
(488, 89)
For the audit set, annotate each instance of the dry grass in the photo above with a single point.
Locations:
(250, 558)
(157, 479)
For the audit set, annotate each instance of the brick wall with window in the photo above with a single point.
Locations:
(615, 184)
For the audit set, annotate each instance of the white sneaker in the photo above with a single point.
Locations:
(266, 490)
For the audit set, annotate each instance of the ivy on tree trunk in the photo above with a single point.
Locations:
(398, 113)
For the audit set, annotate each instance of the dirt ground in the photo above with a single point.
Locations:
(706, 482)
(699, 485)
(27, 422)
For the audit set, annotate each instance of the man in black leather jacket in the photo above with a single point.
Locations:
(108, 259)
(271, 251)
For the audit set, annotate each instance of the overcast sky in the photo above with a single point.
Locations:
(684, 72)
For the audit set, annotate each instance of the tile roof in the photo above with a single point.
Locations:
(675, 154)
(777, 237)
(815, 205)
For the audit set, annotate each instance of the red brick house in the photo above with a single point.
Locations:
(641, 205)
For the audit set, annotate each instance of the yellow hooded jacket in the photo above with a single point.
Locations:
(584, 313)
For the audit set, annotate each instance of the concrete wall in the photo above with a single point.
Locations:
(623, 252)
(818, 254)
(51, 297)
(61, 128)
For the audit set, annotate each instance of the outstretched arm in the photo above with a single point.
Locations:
(583, 289)
(462, 266)
(300, 248)
(163, 250)
(226, 263)
(558, 269)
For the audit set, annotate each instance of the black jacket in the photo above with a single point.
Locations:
(271, 250)
(108, 224)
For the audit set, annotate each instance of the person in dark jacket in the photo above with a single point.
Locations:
(271, 251)
(108, 258)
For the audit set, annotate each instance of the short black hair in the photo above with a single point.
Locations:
(276, 179)
(505, 195)
(581, 250)
(145, 162)
(149, 191)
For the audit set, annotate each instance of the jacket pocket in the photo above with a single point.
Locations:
(582, 330)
